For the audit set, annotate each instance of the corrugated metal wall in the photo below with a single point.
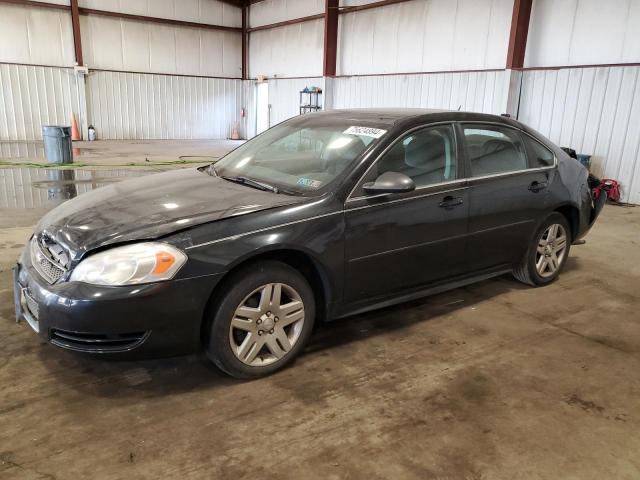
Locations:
(284, 96)
(422, 35)
(120, 105)
(594, 110)
(35, 35)
(273, 11)
(145, 106)
(425, 36)
(201, 11)
(472, 91)
(583, 32)
(290, 51)
(117, 44)
(249, 105)
(179, 104)
(32, 96)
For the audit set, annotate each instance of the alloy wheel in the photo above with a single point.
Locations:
(552, 248)
(267, 324)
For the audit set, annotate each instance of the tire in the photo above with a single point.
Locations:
(256, 327)
(528, 271)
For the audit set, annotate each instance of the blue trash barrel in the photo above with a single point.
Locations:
(584, 159)
(57, 144)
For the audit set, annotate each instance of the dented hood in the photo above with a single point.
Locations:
(150, 207)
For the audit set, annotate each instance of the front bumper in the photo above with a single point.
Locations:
(153, 320)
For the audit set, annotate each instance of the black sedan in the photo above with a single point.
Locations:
(320, 217)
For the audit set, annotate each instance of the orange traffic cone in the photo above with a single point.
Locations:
(75, 133)
(235, 131)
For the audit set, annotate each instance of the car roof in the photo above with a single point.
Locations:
(391, 116)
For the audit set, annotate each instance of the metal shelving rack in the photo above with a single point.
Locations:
(312, 103)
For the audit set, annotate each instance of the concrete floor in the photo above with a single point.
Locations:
(492, 381)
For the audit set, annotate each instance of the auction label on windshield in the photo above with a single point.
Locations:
(365, 131)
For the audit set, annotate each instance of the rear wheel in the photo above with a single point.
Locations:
(547, 252)
(263, 320)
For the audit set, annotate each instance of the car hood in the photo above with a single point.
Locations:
(150, 207)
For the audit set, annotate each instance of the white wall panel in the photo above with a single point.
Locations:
(474, 91)
(200, 11)
(188, 51)
(143, 106)
(135, 42)
(351, 3)
(583, 32)
(249, 104)
(425, 35)
(130, 45)
(35, 35)
(32, 96)
(290, 51)
(162, 49)
(98, 33)
(284, 96)
(58, 2)
(273, 11)
(594, 110)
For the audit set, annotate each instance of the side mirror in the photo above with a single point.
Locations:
(390, 182)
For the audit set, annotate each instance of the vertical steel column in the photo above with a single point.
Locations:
(75, 22)
(519, 32)
(330, 37)
(245, 43)
(515, 56)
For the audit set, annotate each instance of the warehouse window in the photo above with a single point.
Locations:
(494, 150)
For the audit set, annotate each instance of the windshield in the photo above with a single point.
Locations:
(301, 156)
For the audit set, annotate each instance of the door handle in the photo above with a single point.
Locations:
(450, 202)
(537, 186)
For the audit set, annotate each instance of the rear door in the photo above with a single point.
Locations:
(398, 241)
(508, 193)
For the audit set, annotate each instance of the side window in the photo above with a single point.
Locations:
(494, 150)
(428, 156)
(541, 155)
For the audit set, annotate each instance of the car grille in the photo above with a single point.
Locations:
(95, 342)
(30, 309)
(31, 304)
(48, 258)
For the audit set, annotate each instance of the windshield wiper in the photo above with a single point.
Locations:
(252, 183)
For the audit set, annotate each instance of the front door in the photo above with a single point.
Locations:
(395, 242)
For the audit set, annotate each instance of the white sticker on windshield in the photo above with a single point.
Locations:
(365, 131)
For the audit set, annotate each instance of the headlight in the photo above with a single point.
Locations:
(130, 265)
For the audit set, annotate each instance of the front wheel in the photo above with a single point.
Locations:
(263, 320)
(547, 252)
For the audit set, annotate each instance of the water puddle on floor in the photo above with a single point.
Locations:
(28, 150)
(34, 151)
(45, 188)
